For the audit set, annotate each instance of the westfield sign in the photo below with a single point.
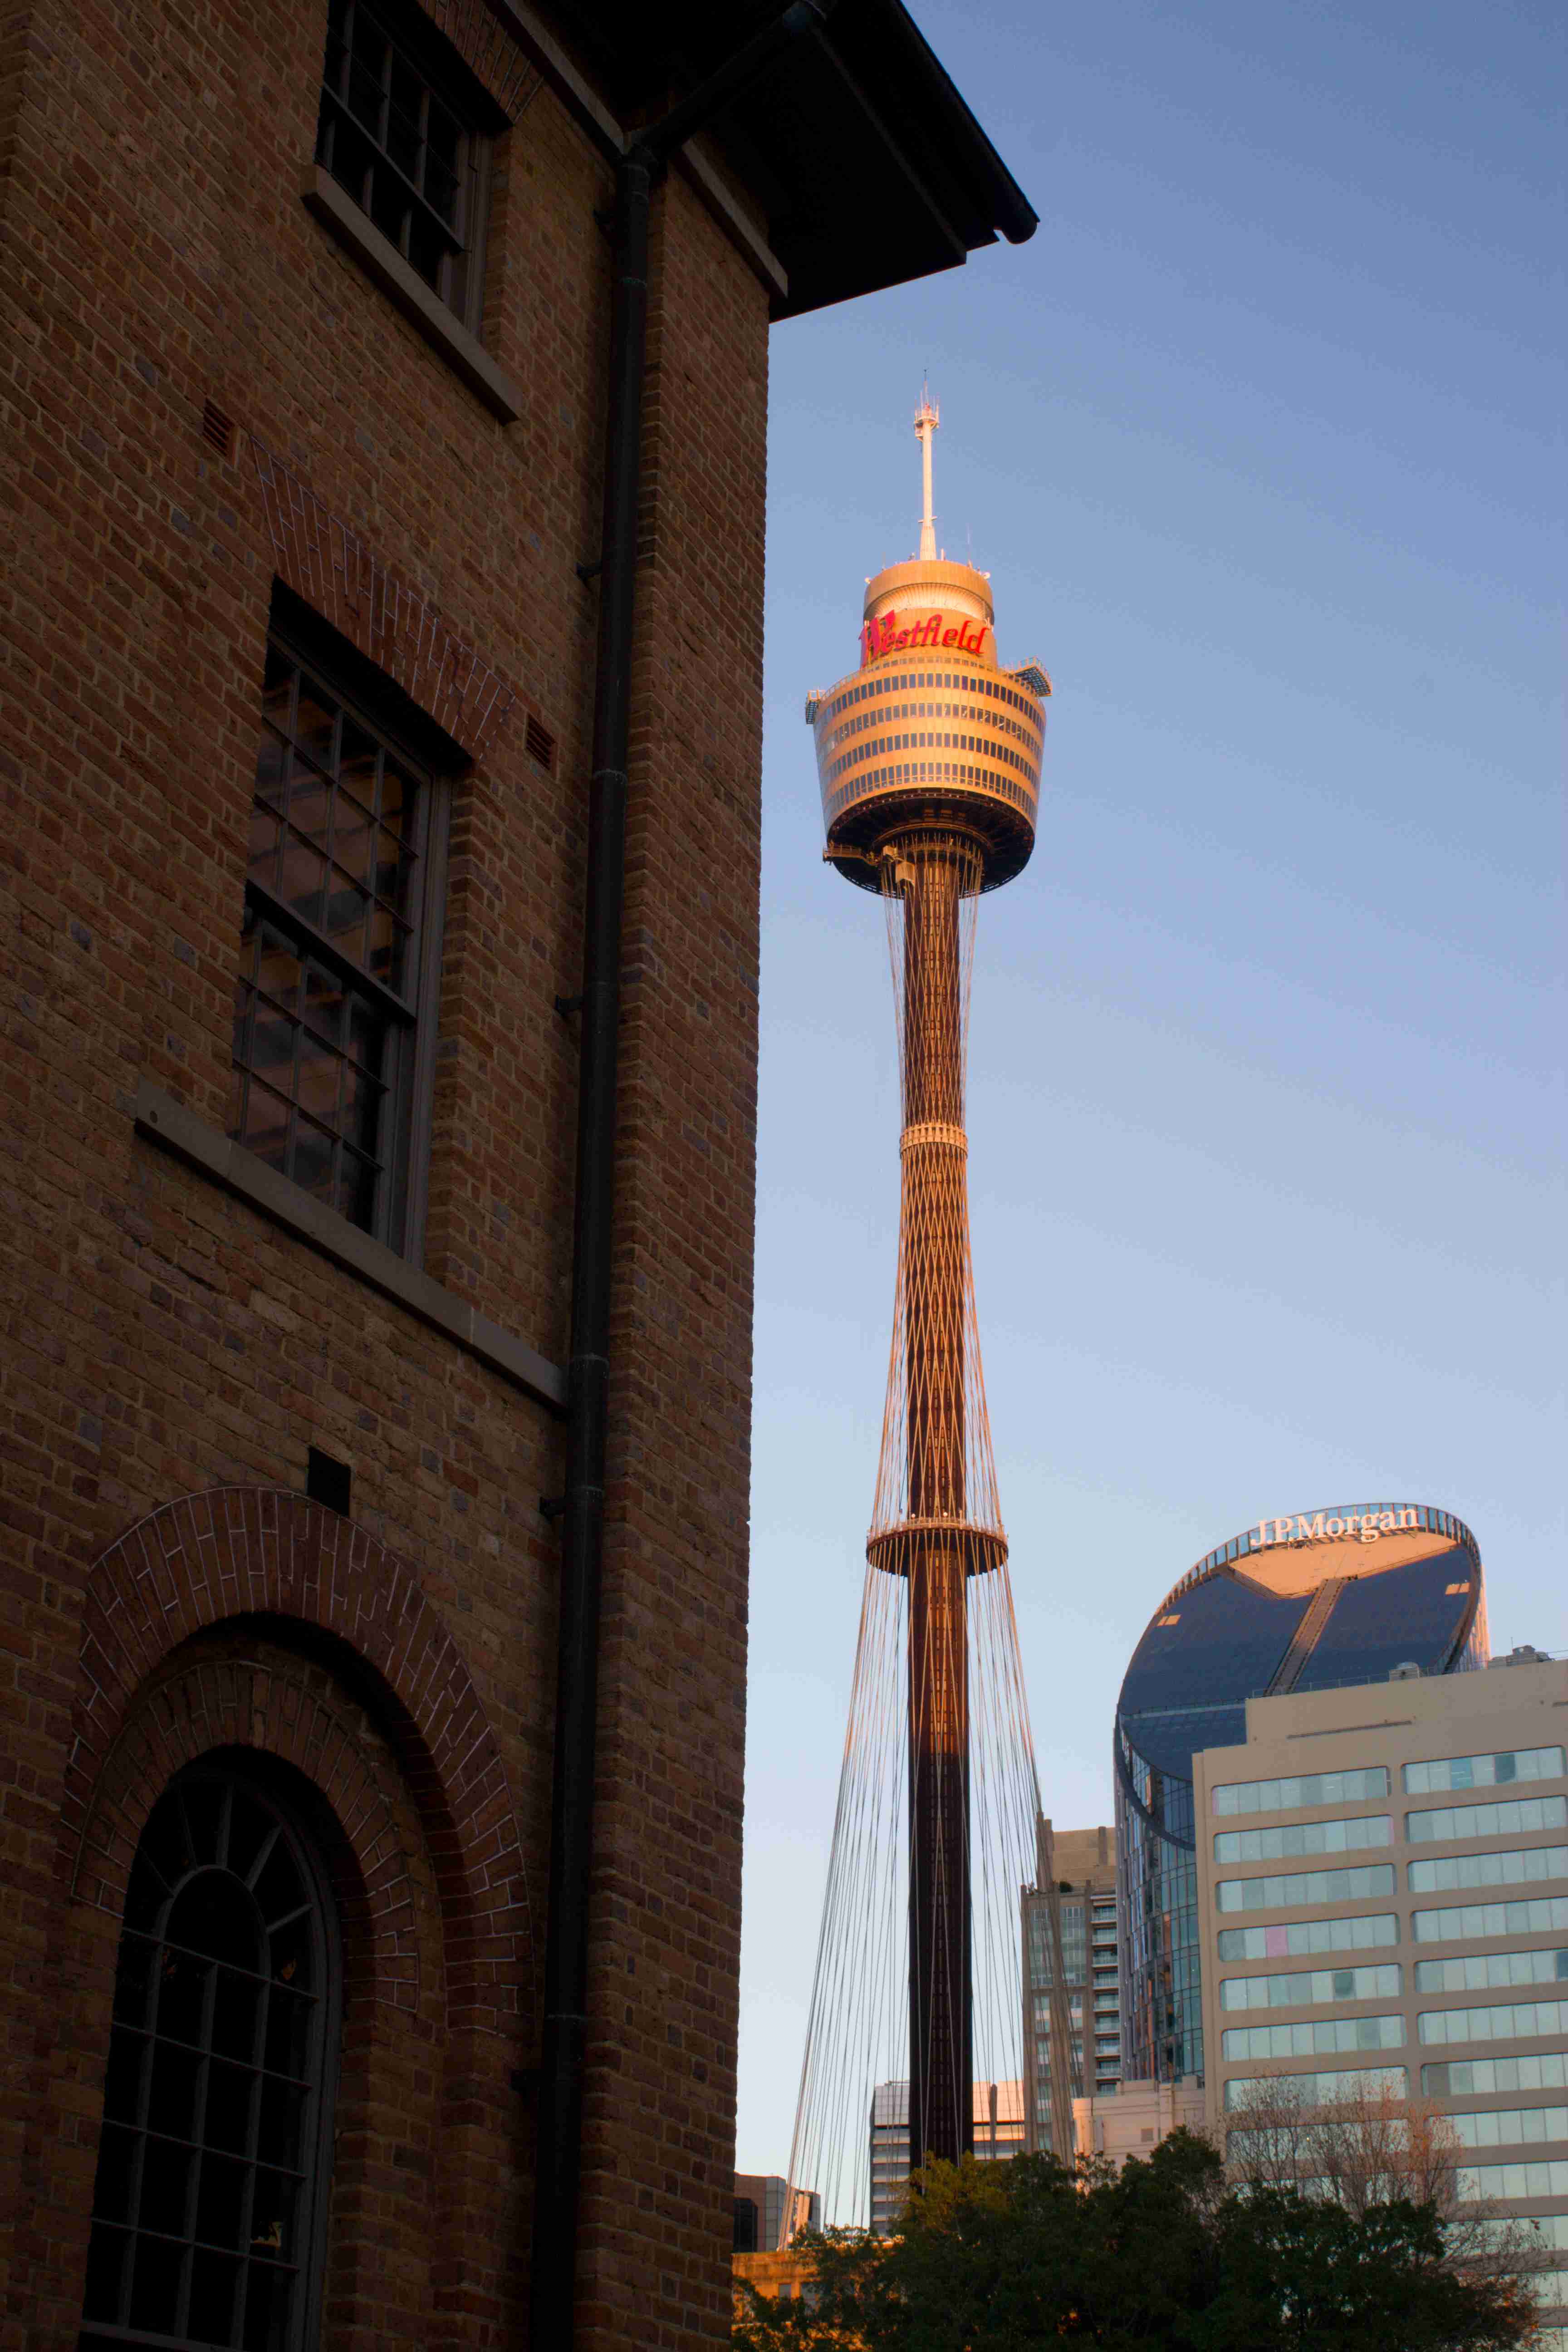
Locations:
(884, 636)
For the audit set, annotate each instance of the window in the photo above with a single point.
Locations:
(1305, 1886)
(1313, 2040)
(1474, 2078)
(1482, 1772)
(1294, 1937)
(1465, 1921)
(1303, 1989)
(1510, 2127)
(1523, 2021)
(1456, 1870)
(1290, 1838)
(1350, 2083)
(405, 130)
(1548, 2178)
(1476, 1971)
(1513, 1817)
(1345, 1788)
(335, 996)
(207, 2210)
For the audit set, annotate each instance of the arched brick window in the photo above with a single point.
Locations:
(208, 2204)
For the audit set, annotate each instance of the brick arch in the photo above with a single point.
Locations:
(262, 1552)
(280, 1705)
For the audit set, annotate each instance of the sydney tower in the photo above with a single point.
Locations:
(929, 756)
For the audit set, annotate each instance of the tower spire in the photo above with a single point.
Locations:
(928, 417)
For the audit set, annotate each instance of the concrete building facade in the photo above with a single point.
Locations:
(305, 371)
(1072, 2031)
(1382, 1891)
(1305, 1603)
(999, 2133)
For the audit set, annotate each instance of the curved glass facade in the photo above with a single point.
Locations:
(1311, 1601)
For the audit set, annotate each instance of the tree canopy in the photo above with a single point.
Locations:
(1162, 2256)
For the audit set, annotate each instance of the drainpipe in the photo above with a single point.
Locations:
(564, 2053)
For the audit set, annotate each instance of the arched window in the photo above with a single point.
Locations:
(208, 2206)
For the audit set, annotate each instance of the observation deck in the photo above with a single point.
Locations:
(930, 731)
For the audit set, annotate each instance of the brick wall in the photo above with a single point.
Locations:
(172, 1354)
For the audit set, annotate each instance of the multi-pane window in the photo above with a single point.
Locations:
(1541, 1916)
(1290, 1938)
(1522, 2021)
(336, 953)
(206, 2208)
(1243, 2090)
(1304, 1886)
(1454, 1872)
(1301, 1988)
(1286, 1839)
(404, 129)
(1509, 1819)
(1474, 2078)
(1510, 2127)
(1476, 1971)
(1440, 1772)
(1547, 2178)
(1314, 2039)
(1343, 1788)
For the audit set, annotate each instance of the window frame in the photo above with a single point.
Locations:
(237, 1771)
(372, 699)
(444, 75)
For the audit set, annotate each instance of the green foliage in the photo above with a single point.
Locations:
(1159, 2257)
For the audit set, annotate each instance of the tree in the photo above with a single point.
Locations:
(1163, 2256)
(1370, 2148)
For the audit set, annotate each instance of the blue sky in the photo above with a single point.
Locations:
(1258, 438)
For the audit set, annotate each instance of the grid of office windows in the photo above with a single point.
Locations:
(1477, 2078)
(1454, 1872)
(1513, 1818)
(1301, 1988)
(1510, 2127)
(1294, 1938)
(1479, 1971)
(1314, 2039)
(1284, 1796)
(1546, 2177)
(1442, 1772)
(1463, 1922)
(1549, 2229)
(1320, 2089)
(1289, 1838)
(1520, 2021)
(1273, 1894)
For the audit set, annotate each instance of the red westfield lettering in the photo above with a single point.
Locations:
(883, 636)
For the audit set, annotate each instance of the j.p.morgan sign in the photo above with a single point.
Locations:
(1330, 1527)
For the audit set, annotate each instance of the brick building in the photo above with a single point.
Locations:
(312, 354)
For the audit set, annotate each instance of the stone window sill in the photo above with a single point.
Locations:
(379, 258)
(161, 1121)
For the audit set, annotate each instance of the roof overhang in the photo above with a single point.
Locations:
(855, 147)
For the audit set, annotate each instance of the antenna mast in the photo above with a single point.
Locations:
(928, 417)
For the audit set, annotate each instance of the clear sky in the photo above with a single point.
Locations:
(1258, 440)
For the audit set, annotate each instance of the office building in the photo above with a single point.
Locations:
(999, 2132)
(762, 2200)
(1308, 1602)
(382, 655)
(1383, 1906)
(1073, 2029)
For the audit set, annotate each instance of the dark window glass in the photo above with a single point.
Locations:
(327, 989)
(404, 130)
(206, 2208)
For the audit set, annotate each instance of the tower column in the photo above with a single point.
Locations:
(934, 874)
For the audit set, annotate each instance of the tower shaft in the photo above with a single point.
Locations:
(933, 875)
